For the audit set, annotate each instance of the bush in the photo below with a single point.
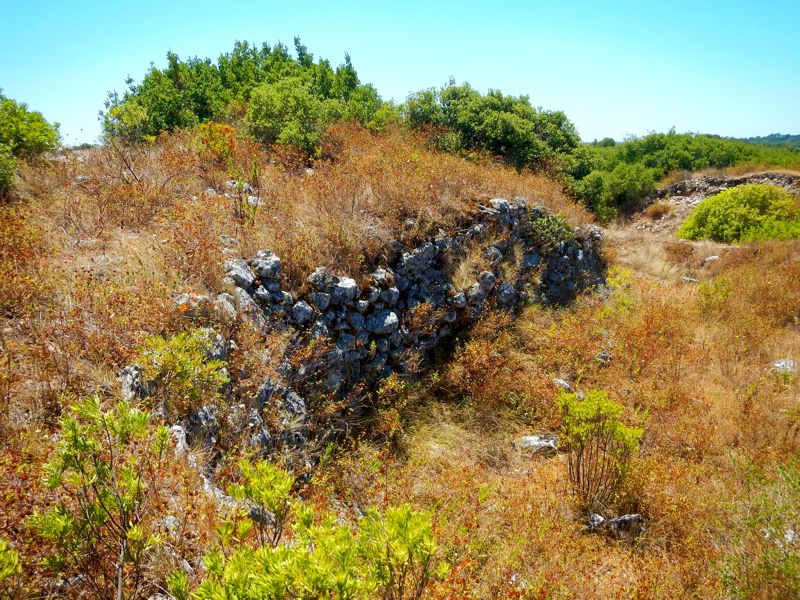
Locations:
(287, 112)
(180, 376)
(7, 167)
(745, 213)
(546, 233)
(599, 446)
(105, 474)
(388, 554)
(9, 563)
(508, 126)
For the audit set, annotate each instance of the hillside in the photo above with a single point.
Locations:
(275, 337)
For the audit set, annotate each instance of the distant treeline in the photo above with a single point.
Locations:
(775, 139)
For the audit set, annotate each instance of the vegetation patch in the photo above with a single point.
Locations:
(745, 213)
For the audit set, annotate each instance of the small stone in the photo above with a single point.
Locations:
(784, 366)
(356, 320)
(294, 404)
(321, 300)
(390, 296)
(193, 305)
(237, 269)
(344, 291)
(710, 259)
(262, 294)
(493, 255)
(225, 306)
(506, 294)
(267, 265)
(596, 521)
(132, 384)
(320, 330)
(531, 259)
(459, 300)
(383, 322)
(487, 279)
(302, 312)
(322, 280)
(500, 204)
(475, 293)
(560, 383)
(627, 526)
(540, 444)
(362, 306)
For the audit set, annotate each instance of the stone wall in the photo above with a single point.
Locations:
(346, 337)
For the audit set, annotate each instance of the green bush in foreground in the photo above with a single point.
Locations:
(599, 445)
(745, 213)
(387, 554)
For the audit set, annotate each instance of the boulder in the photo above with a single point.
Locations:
(132, 383)
(344, 291)
(322, 280)
(546, 444)
(267, 265)
(302, 312)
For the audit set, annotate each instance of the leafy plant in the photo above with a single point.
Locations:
(105, 473)
(268, 487)
(9, 563)
(598, 443)
(547, 233)
(179, 373)
(745, 213)
(24, 132)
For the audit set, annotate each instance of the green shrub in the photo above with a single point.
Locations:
(745, 213)
(599, 446)
(288, 113)
(504, 125)
(387, 555)
(105, 476)
(547, 232)
(9, 563)
(179, 375)
(268, 487)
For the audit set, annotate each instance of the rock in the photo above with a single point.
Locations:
(596, 521)
(302, 312)
(381, 278)
(356, 320)
(604, 357)
(487, 279)
(225, 306)
(362, 306)
(531, 259)
(320, 330)
(500, 204)
(321, 300)
(540, 444)
(709, 259)
(249, 308)
(344, 291)
(178, 434)
(294, 404)
(784, 366)
(560, 383)
(390, 296)
(475, 293)
(493, 255)
(627, 527)
(459, 300)
(239, 272)
(322, 280)
(417, 261)
(262, 294)
(220, 349)
(132, 384)
(267, 265)
(506, 294)
(383, 322)
(193, 305)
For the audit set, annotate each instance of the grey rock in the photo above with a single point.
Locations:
(249, 308)
(560, 383)
(225, 306)
(475, 293)
(596, 521)
(362, 306)
(493, 255)
(531, 259)
(262, 294)
(302, 312)
(418, 260)
(294, 404)
(383, 322)
(487, 279)
(627, 527)
(710, 259)
(356, 320)
(344, 291)
(390, 296)
(784, 366)
(540, 444)
(267, 265)
(506, 294)
(320, 330)
(193, 305)
(131, 383)
(322, 280)
(321, 300)
(381, 278)
(237, 269)
(459, 300)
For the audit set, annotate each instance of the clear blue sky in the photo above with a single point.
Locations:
(615, 68)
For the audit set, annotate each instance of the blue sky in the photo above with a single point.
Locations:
(615, 68)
